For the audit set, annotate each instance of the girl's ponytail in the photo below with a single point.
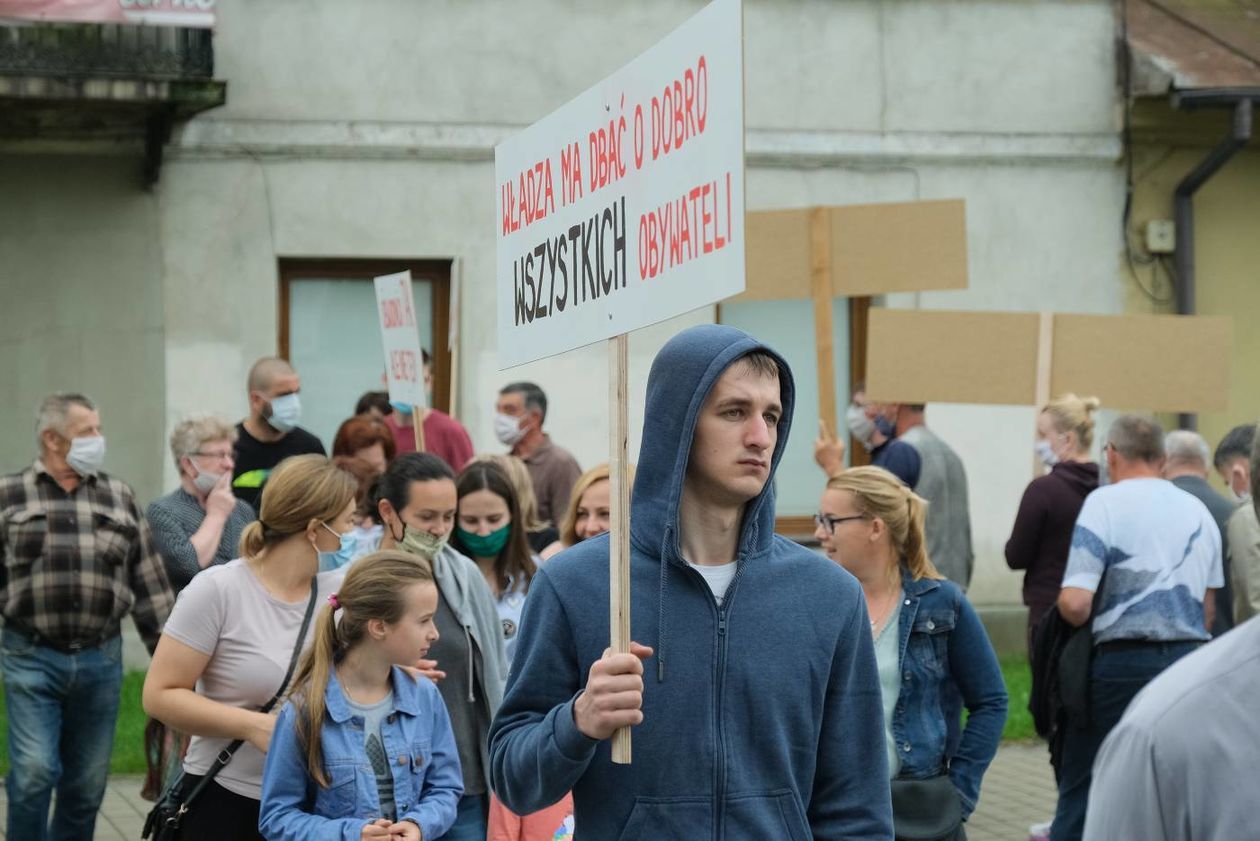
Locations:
(374, 588)
(308, 690)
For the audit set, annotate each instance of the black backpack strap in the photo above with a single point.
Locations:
(225, 755)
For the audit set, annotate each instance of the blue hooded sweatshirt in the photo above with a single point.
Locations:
(762, 717)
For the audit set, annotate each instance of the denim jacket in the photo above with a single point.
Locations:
(942, 641)
(418, 740)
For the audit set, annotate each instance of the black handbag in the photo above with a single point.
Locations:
(927, 810)
(164, 819)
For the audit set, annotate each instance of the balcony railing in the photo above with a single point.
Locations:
(85, 50)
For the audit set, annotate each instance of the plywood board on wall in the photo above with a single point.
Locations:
(875, 249)
(919, 356)
(1154, 363)
(777, 255)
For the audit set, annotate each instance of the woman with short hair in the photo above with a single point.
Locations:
(363, 438)
(200, 522)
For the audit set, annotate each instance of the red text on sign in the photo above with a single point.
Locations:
(682, 109)
(402, 366)
(696, 223)
(528, 199)
(397, 312)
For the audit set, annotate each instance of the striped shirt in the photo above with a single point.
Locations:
(176, 517)
(72, 565)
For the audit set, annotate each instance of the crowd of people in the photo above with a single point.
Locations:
(402, 642)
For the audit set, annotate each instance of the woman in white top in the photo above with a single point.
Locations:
(227, 644)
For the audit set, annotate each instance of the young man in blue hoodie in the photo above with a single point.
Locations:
(760, 716)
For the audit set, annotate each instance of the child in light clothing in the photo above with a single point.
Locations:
(364, 750)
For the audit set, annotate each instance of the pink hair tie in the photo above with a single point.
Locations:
(332, 601)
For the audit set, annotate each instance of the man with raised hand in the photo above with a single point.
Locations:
(760, 714)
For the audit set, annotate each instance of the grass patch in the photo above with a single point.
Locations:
(128, 756)
(1019, 723)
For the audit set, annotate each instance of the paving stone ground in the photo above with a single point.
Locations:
(1018, 792)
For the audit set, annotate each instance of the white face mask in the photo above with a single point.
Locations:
(1240, 497)
(204, 481)
(507, 429)
(286, 412)
(87, 454)
(861, 427)
(1045, 452)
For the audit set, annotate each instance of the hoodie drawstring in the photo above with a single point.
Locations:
(472, 697)
(660, 619)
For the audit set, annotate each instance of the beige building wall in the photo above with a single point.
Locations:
(1168, 145)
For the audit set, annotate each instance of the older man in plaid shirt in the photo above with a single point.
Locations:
(76, 557)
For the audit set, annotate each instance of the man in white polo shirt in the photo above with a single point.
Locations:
(1155, 551)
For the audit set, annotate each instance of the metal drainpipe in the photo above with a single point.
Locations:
(1183, 216)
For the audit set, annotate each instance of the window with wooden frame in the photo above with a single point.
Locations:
(330, 331)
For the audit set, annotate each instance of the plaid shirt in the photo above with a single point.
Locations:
(74, 564)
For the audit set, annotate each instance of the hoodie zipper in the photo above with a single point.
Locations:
(719, 798)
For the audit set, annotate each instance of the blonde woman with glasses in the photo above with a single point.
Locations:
(928, 639)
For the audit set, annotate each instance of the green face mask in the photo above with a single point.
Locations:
(422, 543)
(487, 545)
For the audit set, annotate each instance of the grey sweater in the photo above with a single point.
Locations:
(943, 483)
(175, 517)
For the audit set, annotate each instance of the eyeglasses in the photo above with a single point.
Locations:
(829, 523)
(220, 456)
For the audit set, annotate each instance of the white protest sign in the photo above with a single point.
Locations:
(625, 207)
(404, 366)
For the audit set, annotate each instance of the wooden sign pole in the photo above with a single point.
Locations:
(417, 426)
(619, 541)
(824, 329)
(1045, 369)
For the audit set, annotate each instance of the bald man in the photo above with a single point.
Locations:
(271, 433)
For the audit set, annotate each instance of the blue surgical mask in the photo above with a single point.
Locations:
(402, 408)
(329, 561)
(286, 412)
(886, 427)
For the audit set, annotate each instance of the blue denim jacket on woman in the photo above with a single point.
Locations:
(422, 754)
(942, 640)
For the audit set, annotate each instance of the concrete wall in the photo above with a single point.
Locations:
(81, 306)
(367, 130)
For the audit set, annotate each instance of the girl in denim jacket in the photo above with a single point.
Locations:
(364, 750)
(929, 645)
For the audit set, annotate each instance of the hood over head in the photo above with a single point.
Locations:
(681, 378)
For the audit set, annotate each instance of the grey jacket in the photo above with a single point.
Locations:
(943, 483)
(465, 590)
(1244, 555)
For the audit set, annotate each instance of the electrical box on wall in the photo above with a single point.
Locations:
(1161, 236)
